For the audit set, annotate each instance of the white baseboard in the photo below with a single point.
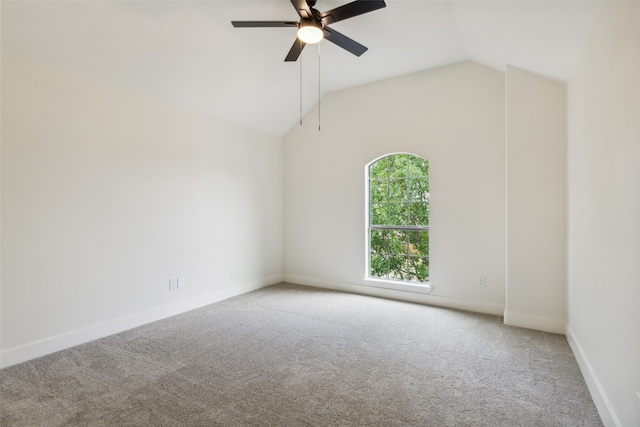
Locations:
(546, 324)
(603, 405)
(49, 345)
(415, 297)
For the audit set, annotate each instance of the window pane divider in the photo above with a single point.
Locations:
(399, 227)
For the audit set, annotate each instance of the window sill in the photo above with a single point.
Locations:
(398, 286)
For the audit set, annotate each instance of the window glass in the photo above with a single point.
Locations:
(398, 235)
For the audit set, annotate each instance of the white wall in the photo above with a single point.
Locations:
(536, 202)
(454, 117)
(107, 194)
(604, 211)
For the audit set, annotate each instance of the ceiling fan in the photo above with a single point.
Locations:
(314, 25)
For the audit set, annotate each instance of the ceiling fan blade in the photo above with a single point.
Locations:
(302, 8)
(344, 42)
(350, 10)
(295, 51)
(262, 24)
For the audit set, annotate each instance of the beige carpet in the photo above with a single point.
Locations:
(295, 356)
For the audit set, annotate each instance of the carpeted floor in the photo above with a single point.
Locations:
(295, 356)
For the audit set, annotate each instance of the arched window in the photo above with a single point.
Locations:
(398, 219)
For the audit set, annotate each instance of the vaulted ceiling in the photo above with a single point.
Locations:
(187, 53)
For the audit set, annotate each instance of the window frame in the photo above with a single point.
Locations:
(386, 283)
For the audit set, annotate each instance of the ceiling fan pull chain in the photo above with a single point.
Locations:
(319, 87)
(300, 90)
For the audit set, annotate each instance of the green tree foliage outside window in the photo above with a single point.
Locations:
(399, 218)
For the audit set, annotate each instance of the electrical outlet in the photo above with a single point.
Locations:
(481, 281)
(325, 265)
(181, 283)
(173, 283)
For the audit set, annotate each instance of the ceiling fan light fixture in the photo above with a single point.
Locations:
(310, 33)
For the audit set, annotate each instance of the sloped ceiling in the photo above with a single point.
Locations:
(187, 53)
